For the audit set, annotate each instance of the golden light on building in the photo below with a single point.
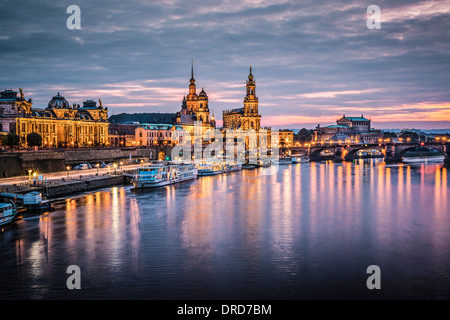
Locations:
(59, 124)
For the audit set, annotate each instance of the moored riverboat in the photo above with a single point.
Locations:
(154, 176)
(7, 213)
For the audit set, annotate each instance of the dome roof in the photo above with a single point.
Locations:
(203, 95)
(58, 102)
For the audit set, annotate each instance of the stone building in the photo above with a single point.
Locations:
(286, 138)
(194, 108)
(247, 117)
(158, 134)
(122, 135)
(59, 124)
(348, 130)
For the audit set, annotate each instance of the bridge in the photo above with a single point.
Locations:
(391, 152)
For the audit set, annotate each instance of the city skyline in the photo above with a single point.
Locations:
(311, 62)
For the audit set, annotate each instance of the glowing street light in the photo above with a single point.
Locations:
(68, 169)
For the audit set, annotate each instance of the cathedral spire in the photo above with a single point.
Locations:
(250, 76)
(192, 72)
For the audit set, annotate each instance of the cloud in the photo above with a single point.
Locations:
(312, 60)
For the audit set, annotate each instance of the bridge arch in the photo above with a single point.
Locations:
(350, 155)
(316, 153)
(402, 150)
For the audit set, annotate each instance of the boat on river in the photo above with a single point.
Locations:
(232, 167)
(264, 163)
(7, 213)
(29, 202)
(210, 168)
(299, 159)
(157, 175)
(282, 161)
(186, 172)
(425, 159)
(249, 166)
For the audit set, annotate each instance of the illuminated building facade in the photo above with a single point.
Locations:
(348, 130)
(122, 135)
(286, 138)
(247, 117)
(194, 107)
(59, 125)
(158, 134)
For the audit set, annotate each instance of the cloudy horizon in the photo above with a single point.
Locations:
(312, 61)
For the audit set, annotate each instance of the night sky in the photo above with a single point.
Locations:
(313, 61)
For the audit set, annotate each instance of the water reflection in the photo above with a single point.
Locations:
(311, 230)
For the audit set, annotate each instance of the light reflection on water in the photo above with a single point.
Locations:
(310, 231)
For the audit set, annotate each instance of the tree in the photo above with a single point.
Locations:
(303, 136)
(3, 139)
(34, 139)
(391, 135)
(413, 137)
(12, 140)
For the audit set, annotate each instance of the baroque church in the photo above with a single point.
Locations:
(194, 107)
(247, 117)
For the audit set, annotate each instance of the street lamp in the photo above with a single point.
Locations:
(98, 166)
(68, 168)
(29, 174)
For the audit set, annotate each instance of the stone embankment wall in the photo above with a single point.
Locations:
(18, 163)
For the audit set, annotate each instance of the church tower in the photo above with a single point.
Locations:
(192, 97)
(251, 118)
(196, 105)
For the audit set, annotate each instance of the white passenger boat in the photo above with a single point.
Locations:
(282, 161)
(186, 172)
(31, 201)
(426, 159)
(299, 159)
(153, 176)
(7, 213)
(210, 168)
(232, 167)
(249, 166)
(264, 163)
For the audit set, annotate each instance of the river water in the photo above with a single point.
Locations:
(307, 231)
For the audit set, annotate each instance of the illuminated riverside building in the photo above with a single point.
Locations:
(286, 138)
(194, 107)
(247, 117)
(59, 125)
(348, 130)
(122, 135)
(158, 134)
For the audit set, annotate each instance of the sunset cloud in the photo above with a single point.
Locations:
(312, 60)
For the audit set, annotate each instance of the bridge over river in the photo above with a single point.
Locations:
(391, 152)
